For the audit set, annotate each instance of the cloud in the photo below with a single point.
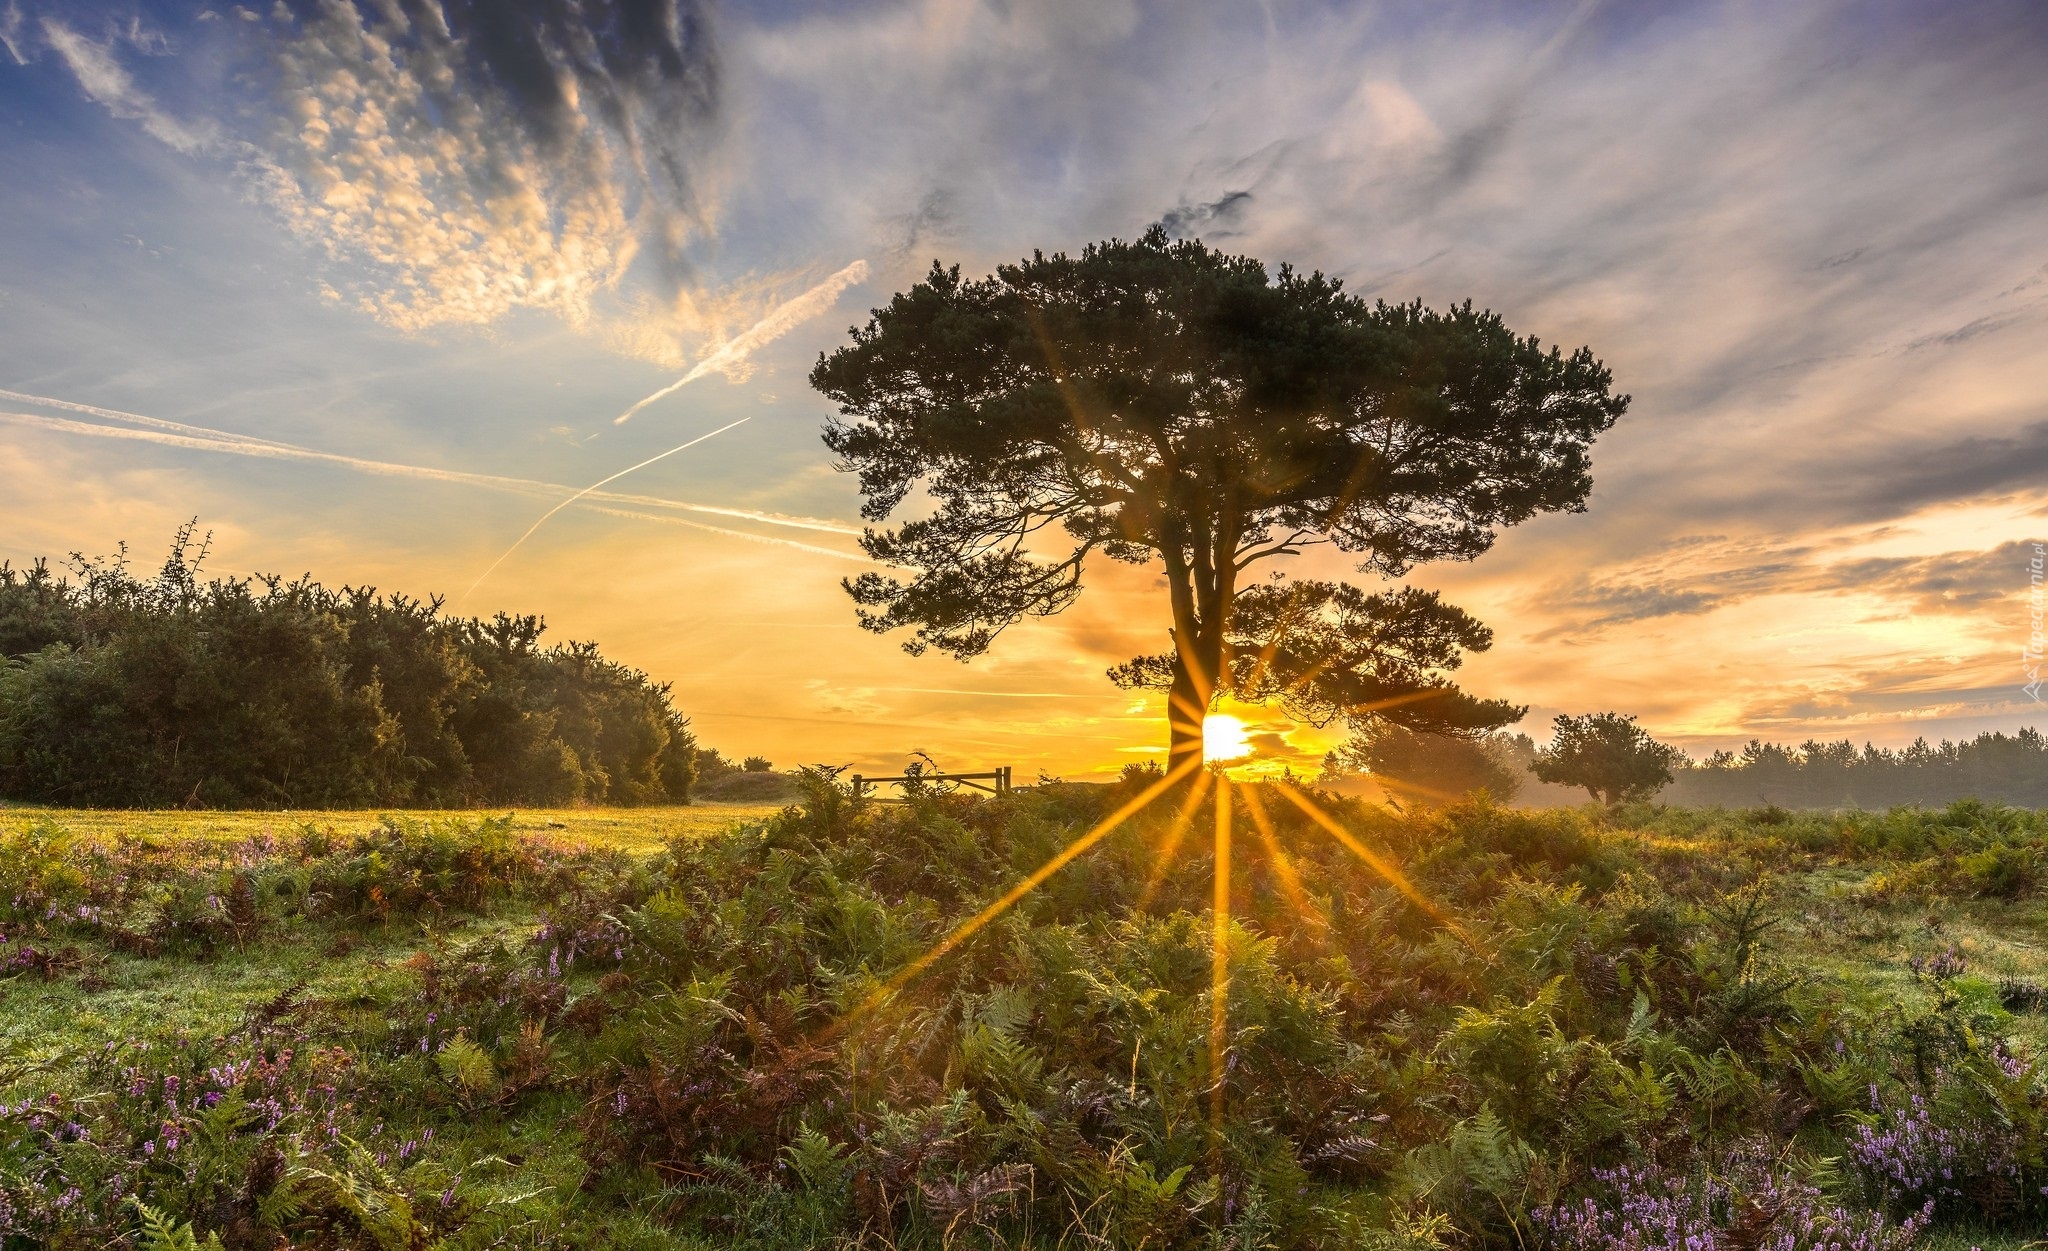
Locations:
(1216, 219)
(1697, 579)
(459, 164)
(1897, 481)
(201, 438)
(731, 357)
(102, 77)
(10, 32)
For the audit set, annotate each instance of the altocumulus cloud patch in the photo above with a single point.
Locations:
(465, 160)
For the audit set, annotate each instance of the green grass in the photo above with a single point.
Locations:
(715, 1068)
(630, 829)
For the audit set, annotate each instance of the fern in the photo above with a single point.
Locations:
(161, 1232)
(1479, 1154)
(818, 1162)
(468, 1067)
(367, 1193)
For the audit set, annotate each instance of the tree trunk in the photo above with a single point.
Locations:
(1187, 702)
(1202, 585)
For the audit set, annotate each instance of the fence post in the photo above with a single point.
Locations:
(856, 786)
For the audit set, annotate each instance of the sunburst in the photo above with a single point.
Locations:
(1225, 739)
(1221, 912)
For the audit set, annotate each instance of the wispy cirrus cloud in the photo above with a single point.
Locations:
(1700, 579)
(101, 76)
(204, 439)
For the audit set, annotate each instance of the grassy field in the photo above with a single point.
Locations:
(684, 1027)
(632, 829)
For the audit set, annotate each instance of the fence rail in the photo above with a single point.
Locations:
(995, 782)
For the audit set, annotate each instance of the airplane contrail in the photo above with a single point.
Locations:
(202, 438)
(780, 321)
(587, 490)
(768, 539)
(115, 414)
(519, 485)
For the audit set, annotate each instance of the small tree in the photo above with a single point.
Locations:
(1429, 770)
(1609, 755)
(1158, 401)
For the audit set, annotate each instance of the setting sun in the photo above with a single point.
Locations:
(1224, 738)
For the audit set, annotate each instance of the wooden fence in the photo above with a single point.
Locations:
(995, 782)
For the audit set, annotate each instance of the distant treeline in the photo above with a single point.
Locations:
(122, 692)
(1430, 771)
(1994, 767)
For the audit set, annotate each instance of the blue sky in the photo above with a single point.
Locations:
(1811, 240)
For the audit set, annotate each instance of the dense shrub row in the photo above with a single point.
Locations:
(1561, 1031)
(122, 692)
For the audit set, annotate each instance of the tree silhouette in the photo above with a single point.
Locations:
(1429, 770)
(1159, 401)
(1609, 755)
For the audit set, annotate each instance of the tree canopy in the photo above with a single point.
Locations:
(1609, 755)
(1429, 770)
(1158, 401)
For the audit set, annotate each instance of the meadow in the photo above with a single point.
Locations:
(745, 1027)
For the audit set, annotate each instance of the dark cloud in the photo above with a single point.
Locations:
(1218, 219)
(1951, 582)
(1958, 582)
(931, 222)
(1851, 476)
(1878, 484)
(646, 71)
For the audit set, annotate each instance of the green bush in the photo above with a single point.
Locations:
(120, 692)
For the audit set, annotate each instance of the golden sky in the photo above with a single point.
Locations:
(394, 299)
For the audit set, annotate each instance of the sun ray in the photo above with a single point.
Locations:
(1426, 792)
(1283, 864)
(1219, 963)
(968, 928)
(1184, 714)
(1379, 864)
(1162, 860)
